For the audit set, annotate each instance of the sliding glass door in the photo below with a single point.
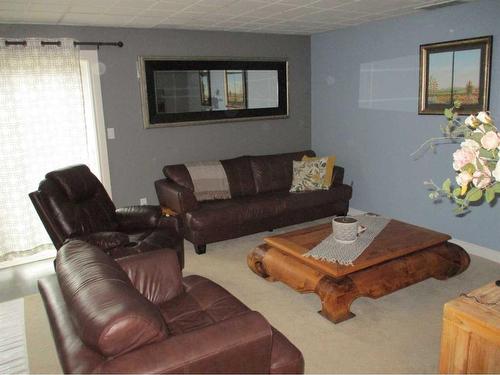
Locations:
(50, 117)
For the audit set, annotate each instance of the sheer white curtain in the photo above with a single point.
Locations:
(42, 127)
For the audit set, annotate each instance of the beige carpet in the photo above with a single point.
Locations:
(398, 333)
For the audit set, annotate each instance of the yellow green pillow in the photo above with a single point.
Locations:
(309, 175)
(330, 164)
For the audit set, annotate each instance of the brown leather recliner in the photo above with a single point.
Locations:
(139, 315)
(73, 204)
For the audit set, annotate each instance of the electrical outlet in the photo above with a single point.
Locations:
(111, 133)
(143, 201)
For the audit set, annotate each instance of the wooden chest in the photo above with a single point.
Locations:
(470, 341)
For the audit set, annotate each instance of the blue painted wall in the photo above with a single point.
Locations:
(364, 110)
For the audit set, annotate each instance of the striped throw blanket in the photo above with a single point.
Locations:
(209, 180)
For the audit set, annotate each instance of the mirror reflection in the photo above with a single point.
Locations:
(179, 91)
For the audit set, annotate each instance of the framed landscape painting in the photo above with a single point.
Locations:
(455, 71)
(236, 89)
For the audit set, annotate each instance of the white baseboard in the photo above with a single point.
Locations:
(471, 248)
(355, 211)
(480, 251)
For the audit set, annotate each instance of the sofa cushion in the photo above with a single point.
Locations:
(274, 172)
(236, 211)
(203, 303)
(239, 175)
(155, 274)
(109, 314)
(306, 199)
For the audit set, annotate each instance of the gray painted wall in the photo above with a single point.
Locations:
(364, 110)
(137, 155)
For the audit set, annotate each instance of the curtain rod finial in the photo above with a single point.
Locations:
(120, 44)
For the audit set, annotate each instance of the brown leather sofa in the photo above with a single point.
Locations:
(73, 204)
(260, 200)
(139, 315)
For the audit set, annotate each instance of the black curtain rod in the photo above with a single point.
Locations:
(97, 44)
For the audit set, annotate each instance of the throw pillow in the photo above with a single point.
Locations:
(330, 164)
(309, 175)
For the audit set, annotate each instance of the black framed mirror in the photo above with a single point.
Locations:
(183, 91)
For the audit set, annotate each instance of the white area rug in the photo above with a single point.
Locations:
(13, 356)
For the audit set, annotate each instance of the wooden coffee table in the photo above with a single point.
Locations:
(401, 255)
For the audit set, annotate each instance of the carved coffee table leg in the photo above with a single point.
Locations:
(456, 259)
(255, 261)
(336, 298)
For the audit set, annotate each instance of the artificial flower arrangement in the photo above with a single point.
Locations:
(476, 162)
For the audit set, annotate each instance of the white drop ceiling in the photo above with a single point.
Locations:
(263, 16)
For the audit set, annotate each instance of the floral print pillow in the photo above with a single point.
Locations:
(309, 175)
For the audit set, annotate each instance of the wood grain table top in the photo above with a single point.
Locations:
(396, 240)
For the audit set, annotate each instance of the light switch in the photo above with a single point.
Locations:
(111, 133)
(143, 201)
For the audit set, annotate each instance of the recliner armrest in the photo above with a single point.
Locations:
(155, 274)
(172, 223)
(104, 240)
(175, 197)
(238, 345)
(138, 217)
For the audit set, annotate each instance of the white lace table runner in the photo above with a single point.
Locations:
(332, 251)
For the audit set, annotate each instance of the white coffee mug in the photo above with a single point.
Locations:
(346, 229)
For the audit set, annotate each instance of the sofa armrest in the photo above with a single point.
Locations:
(338, 176)
(238, 345)
(155, 274)
(175, 197)
(137, 217)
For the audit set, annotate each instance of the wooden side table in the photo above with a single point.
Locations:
(470, 341)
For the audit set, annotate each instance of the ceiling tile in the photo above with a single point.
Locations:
(330, 4)
(244, 19)
(45, 17)
(297, 12)
(300, 3)
(366, 6)
(173, 5)
(48, 7)
(156, 13)
(134, 4)
(87, 9)
(12, 16)
(108, 19)
(11, 5)
(214, 3)
(118, 11)
(78, 19)
(242, 6)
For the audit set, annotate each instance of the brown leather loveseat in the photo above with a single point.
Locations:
(139, 315)
(260, 199)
